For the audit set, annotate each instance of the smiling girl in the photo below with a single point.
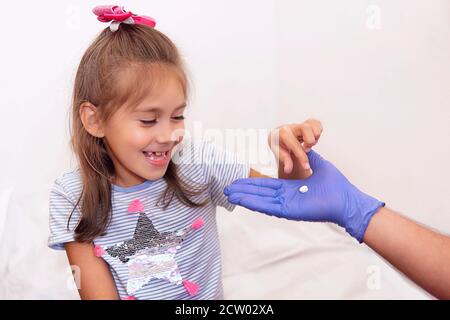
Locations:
(136, 223)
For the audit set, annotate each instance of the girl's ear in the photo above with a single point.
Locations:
(90, 119)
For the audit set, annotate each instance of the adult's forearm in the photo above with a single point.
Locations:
(421, 254)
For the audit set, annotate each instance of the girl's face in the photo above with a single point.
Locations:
(140, 140)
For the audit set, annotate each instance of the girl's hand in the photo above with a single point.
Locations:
(290, 143)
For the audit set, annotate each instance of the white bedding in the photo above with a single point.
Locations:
(263, 258)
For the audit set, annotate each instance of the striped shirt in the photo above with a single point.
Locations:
(171, 251)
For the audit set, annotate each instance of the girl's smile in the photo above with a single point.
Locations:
(157, 159)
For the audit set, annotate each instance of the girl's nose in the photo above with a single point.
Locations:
(168, 132)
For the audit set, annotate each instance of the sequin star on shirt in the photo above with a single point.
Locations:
(149, 253)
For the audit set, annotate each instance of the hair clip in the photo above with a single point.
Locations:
(118, 15)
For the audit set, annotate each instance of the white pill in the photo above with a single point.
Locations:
(303, 189)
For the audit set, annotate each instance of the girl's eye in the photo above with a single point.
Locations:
(148, 121)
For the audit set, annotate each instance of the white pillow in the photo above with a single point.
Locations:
(270, 258)
(5, 195)
(28, 268)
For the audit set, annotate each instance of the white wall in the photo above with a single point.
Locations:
(380, 86)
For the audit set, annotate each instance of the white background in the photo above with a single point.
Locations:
(376, 73)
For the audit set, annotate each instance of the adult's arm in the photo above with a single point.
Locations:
(421, 254)
(328, 196)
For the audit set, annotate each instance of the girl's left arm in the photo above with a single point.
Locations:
(257, 174)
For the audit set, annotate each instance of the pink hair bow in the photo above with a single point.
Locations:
(118, 15)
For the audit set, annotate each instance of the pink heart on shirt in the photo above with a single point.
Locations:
(135, 206)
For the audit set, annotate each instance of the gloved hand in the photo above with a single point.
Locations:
(330, 197)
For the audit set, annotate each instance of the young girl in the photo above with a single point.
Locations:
(137, 217)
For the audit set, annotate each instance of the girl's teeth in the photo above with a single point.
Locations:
(152, 155)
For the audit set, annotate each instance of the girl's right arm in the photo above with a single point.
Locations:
(95, 281)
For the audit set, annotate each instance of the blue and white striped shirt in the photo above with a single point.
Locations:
(198, 256)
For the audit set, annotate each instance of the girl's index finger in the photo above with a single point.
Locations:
(292, 144)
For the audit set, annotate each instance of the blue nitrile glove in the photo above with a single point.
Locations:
(330, 197)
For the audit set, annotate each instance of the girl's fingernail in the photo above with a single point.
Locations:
(307, 167)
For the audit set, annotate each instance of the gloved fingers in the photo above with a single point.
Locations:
(238, 197)
(250, 189)
(265, 205)
(260, 182)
